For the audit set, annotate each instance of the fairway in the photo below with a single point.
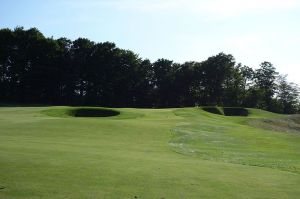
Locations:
(56, 153)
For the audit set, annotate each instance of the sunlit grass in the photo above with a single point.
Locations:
(144, 153)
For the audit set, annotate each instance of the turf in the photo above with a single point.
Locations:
(46, 153)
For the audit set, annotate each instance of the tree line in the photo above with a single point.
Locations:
(39, 70)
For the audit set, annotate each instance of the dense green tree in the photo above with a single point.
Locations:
(287, 95)
(254, 98)
(234, 87)
(164, 77)
(36, 69)
(265, 78)
(81, 52)
(6, 47)
(143, 85)
(214, 72)
(66, 75)
(186, 84)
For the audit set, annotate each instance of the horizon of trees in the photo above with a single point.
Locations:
(39, 70)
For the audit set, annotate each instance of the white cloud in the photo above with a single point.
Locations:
(214, 9)
(280, 48)
(237, 7)
(251, 40)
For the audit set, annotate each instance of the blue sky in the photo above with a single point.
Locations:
(180, 30)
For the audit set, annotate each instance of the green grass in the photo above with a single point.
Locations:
(46, 153)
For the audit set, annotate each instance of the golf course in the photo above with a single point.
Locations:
(60, 152)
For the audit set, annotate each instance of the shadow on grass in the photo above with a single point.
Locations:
(93, 112)
(227, 111)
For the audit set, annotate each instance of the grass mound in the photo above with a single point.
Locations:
(227, 111)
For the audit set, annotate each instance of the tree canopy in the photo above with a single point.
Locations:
(39, 70)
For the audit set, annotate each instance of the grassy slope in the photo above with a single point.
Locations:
(170, 153)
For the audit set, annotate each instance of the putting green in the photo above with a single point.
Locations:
(47, 153)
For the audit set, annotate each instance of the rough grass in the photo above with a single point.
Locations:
(228, 139)
(289, 124)
(144, 153)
